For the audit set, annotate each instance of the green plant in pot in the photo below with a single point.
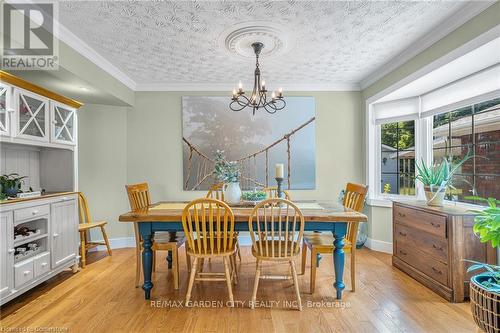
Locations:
(437, 178)
(11, 184)
(485, 287)
(229, 173)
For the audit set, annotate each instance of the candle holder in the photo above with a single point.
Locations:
(279, 191)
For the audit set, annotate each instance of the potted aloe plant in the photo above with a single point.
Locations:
(437, 178)
(485, 287)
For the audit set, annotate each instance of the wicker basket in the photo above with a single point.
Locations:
(485, 306)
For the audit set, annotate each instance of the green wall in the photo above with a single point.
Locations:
(102, 164)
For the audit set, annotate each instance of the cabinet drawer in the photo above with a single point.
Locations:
(423, 262)
(428, 243)
(42, 264)
(31, 212)
(432, 223)
(23, 273)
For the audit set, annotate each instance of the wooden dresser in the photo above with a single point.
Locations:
(430, 244)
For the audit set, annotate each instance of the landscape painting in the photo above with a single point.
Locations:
(257, 142)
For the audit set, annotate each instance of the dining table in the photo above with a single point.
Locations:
(321, 216)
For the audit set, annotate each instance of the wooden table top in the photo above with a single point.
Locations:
(328, 211)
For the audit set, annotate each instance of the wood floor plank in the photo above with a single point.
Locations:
(102, 298)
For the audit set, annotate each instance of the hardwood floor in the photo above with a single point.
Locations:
(102, 298)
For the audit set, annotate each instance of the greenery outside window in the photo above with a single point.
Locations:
(397, 163)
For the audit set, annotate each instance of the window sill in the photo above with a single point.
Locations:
(386, 201)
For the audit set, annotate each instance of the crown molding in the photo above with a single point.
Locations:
(66, 36)
(228, 87)
(443, 29)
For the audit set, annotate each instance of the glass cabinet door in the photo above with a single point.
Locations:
(5, 107)
(32, 116)
(63, 123)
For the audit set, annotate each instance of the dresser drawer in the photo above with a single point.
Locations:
(31, 212)
(421, 240)
(423, 262)
(41, 264)
(23, 273)
(432, 223)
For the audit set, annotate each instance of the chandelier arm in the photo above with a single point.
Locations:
(280, 104)
(271, 109)
(246, 102)
(235, 108)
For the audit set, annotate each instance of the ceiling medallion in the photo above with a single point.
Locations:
(258, 98)
(238, 39)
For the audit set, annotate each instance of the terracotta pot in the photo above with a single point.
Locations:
(434, 198)
(485, 305)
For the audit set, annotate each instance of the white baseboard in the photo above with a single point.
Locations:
(244, 240)
(116, 243)
(377, 245)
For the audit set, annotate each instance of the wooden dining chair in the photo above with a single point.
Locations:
(276, 227)
(321, 242)
(216, 191)
(272, 192)
(84, 227)
(139, 197)
(209, 228)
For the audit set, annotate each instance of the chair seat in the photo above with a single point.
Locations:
(162, 237)
(323, 241)
(86, 226)
(279, 253)
(196, 251)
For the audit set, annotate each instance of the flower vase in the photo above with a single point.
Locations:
(232, 193)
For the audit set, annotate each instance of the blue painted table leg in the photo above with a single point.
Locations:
(339, 231)
(147, 257)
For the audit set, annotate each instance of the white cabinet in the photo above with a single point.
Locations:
(6, 109)
(63, 124)
(6, 253)
(55, 221)
(64, 226)
(31, 116)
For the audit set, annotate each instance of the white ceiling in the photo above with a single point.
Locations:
(178, 43)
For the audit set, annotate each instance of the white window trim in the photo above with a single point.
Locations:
(422, 151)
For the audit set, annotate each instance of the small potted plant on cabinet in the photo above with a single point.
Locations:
(485, 287)
(11, 184)
(437, 178)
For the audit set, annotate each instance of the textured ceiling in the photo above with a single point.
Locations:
(179, 42)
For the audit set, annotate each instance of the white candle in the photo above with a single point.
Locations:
(279, 170)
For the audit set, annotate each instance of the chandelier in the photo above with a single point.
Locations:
(258, 98)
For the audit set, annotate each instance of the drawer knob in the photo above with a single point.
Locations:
(10, 250)
(437, 247)
(55, 235)
(435, 225)
(403, 234)
(401, 214)
(26, 273)
(35, 212)
(437, 270)
(403, 252)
